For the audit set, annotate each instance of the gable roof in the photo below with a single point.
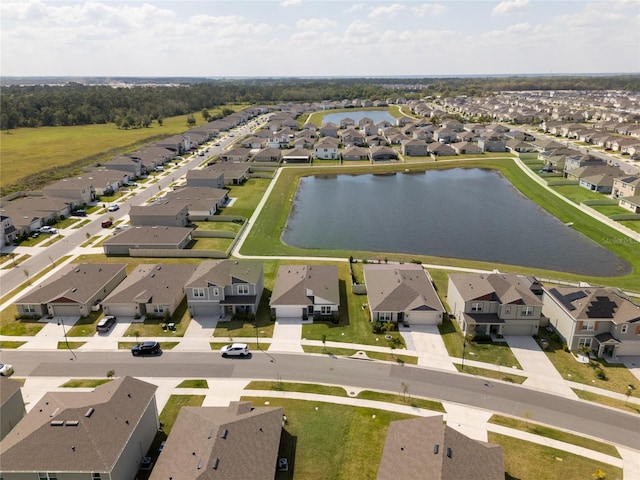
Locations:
(427, 448)
(39, 443)
(237, 441)
(504, 287)
(596, 304)
(295, 284)
(397, 288)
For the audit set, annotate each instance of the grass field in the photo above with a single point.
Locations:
(48, 153)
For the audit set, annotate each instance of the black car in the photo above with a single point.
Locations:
(106, 323)
(79, 213)
(146, 348)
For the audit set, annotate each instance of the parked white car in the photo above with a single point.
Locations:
(113, 207)
(47, 229)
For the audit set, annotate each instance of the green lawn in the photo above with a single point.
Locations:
(632, 224)
(333, 441)
(219, 244)
(611, 402)
(247, 197)
(386, 357)
(220, 226)
(576, 193)
(85, 382)
(504, 375)
(555, 434)
(530, 461)
(193, 384)
(172, 408)
(609, 210)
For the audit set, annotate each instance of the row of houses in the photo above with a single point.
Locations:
(107, 433)
(602, 319)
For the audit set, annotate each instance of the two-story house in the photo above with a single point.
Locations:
(601, 319)
(221, 288)
(495, 303)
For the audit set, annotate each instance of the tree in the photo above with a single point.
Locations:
(191, 120)
(111, 374)
(160, 121)
(206, 115)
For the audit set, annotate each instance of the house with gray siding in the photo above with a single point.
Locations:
(205, 177)
(602, 320)
(73, 291)
(495, 303)
(222, 288)
(103, 433)
(151, 290)
(75, 190)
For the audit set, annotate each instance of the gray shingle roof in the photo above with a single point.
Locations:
(295, 284)
(225, 272)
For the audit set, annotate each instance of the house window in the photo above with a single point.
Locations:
(589, 325)
(476, 307)
(507, 309)
(198, 292)
(29, 308)
(243, 289)
(624, 328)
(95, 476)
(584, 342)
(384, 316)
(325, 309)
(158, 309)
(47, 476)
(216, 291)
(527, 311)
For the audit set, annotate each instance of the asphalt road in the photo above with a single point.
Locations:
(577, 416)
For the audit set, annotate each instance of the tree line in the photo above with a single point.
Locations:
(135, 106)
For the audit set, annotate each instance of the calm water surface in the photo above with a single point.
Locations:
(471, 214)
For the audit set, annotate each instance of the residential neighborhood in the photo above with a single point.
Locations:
(178, 248)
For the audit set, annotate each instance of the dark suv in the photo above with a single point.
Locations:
(146, 348)
(106, 323)
(79, 213)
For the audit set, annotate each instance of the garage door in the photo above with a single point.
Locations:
(424, 318)
(66, 310)
(207, 310)
(119, 310)
(289, 312)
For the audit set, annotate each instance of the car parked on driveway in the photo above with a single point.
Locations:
(106, 323)
(47, 229)
(145, 348)
(79, 213)
(235, 350)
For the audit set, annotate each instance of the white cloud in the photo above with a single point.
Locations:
(316, 24)
(432, 9)
(359, 32)
(388, 12)
(354, 8)
(289, 3)
(509, 7)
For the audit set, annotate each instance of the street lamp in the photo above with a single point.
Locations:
(255, 325)
(64, 330)
(464, 344)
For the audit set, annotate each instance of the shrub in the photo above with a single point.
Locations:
(600, 373)
(565, 347)
(376, 327)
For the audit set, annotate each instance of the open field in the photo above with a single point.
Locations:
(44, 153)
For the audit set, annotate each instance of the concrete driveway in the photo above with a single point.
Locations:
(286, 335)
(542, 375)
(428, 344)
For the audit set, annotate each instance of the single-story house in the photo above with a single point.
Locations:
(603, 320)
(306, 290)
(232, 173)
(427, 448)
(466, 148)
(131, 166)
(200, 201)
(238, 441)
(382, 154)
(441, 149)
(495, 303)
(221, 287)
(268, 155)
(147, 238)
(153, 290)
(205, 177)
(166, 212)
(27, 214)
(237, 155)
(103, 433)
(296, 155)
(402, 294)
(73, 291)
(355, 153)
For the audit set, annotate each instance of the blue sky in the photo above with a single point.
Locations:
(317, 37)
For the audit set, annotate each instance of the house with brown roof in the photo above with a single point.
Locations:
(131, 166)
(326, 149)
(427, 448)
(222, 288)
(296, 155)
(73, 291)
(604, 320)
(306, 290)
(232, 173)
(415, 148)
(351, 136)
(354, 153)
(328, 130)
(27, 214)
(76, 190)
(382, 154)
(208, 443)
(441, 149)
(237, 154)
(153, 290)
(495, 303)
(402, 294)
(105, 181)
(205, 177)
(268, 154)
(11, 405)
(147, 238)
(104, 433)
(466, 148)
(167, 211)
